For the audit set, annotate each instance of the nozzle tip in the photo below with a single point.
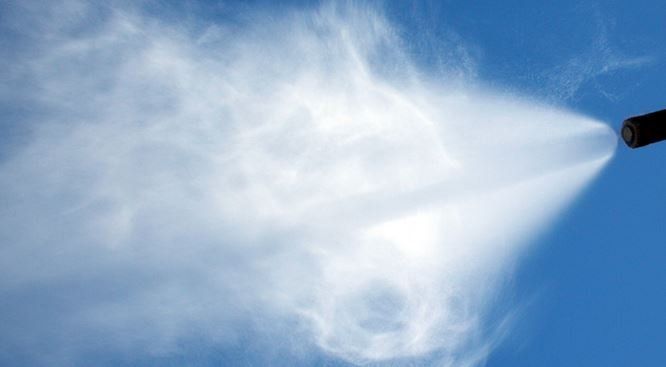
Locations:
(629, 134)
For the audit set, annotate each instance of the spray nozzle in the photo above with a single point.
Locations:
(639, 131)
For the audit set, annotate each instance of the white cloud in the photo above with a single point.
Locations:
(185, 183)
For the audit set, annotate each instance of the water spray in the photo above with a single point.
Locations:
(639, 131)
(272, 174)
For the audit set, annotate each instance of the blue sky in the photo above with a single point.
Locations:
(599, 270)
(169, 202)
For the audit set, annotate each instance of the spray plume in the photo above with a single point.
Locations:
(236, 181)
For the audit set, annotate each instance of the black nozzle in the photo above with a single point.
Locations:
(639, 131)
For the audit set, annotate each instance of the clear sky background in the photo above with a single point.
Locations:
(591, 288)
(599, 272)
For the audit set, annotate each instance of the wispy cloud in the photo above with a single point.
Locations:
(209, 181)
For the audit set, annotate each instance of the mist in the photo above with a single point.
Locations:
(291, 184)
